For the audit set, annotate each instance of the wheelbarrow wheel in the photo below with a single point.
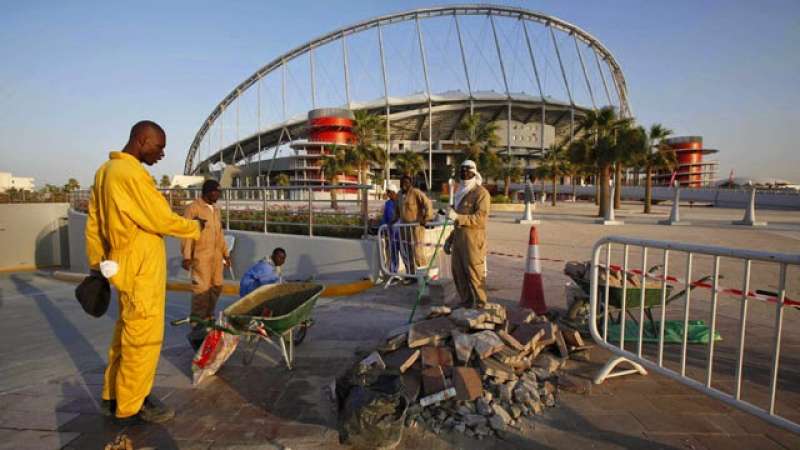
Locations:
(300, 333)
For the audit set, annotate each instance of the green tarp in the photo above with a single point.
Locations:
(673, 332)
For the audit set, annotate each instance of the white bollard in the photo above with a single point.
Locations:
(527, 216)
(749, 218)
(674, 214)
(609, 218)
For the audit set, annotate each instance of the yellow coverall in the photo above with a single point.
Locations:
(127, 220)
(468, 244)
(414, 206)
(206, 255)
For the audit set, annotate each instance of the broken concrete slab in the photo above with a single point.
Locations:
(528, 335)
(468, 318)
(493, 368)
(467, 382)
(487, 343)
(572, 337)
(401, 359)
(437, 397)
(437, 356)
(463, 343)
(549, 363)
(510, 341)
(429, 332)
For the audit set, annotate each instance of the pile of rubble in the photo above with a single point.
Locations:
(478, 371)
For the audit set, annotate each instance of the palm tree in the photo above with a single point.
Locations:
(409, 163)
(556, 160)
(604, 141)
(282, 180)
(506, 170)
(368, 130)
(72, 185)
(654, 157)
(334, 164)
(164, 183)
(481, 138)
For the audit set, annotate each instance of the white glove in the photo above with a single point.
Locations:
(109, 268)
(452, 215)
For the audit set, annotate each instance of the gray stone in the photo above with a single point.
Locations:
(460, 427)
(506, 391)
(516, 411)
(473, 420)
(501, 412)
(548, 362)
(497, 423)
(483, 407)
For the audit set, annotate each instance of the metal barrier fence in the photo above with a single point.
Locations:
(604, 298)
(290, 209)
(406, 250)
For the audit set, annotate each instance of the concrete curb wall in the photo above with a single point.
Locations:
(32, 235)
(320, 258)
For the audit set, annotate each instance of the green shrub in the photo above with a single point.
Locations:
(500, 198)
(444, 198)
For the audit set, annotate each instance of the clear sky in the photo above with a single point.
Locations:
(76, 75)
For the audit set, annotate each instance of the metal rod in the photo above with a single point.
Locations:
(430, 104)
(346, 71)
(686, 310)
(742, 328)
(499, 55)
(561, 64)
(608, 286)
(776, 354)
(585, 74)
(624, 296)
(713, 326)
(388, 111)
(264, 206)
(227, 209)
(602, 77)
(313, 78)
(283, 90)
(538, 84)
(663, 309)
(463, 59)
(310, 212)
(258, 130)
(641, 301)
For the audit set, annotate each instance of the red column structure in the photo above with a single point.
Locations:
(327, 127)
(693, 170)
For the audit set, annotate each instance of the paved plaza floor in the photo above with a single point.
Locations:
(52, 357)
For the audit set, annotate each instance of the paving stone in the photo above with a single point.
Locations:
(487, 343)
(28, 420)
(433, 380)
(676, 423)
(468, 384)
(464, 344)
(437, 357)
(510, 341)
(469, 318)
(508, 356)
(528, 335)
(401, 359)
(561, 345)
(727, 442)
(572, 337)
(34, 439)
(494, 368)
(547, 362)
(429, 332)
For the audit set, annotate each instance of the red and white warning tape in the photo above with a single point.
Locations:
(704, 284)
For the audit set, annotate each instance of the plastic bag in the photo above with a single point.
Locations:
(372, 408)
(217, 347)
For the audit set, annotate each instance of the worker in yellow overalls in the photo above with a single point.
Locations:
(128, 219)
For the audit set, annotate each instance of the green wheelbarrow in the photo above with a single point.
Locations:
(279, 314)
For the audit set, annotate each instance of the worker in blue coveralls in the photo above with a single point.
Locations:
(266, 271)
(389, 218)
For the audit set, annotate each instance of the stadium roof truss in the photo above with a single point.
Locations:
(427, 70)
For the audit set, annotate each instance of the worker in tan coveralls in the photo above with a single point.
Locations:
(467, 243)
(413, 206)
(206, 256)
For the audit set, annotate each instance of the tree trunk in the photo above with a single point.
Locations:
(648, 190)
(618, 186)
(574, 190)
(597, 188)
(605, 200)
(553, 200)
(334, 204)
(544, 195)
(507, 181)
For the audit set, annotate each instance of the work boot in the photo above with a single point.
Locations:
(152, 411)
(108, 407)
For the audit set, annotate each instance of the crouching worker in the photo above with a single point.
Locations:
(266, 271)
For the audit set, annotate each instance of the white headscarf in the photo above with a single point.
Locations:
(467, 185)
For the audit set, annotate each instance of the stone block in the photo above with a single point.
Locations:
(393, 343)
(519, 316)
(572, 337)
(528, 335)
(487, 343)
(463, 343)
(401, 359)
(502, 413)
(468, 318)
(548, 363)
(507, 356)
(433, 380)
(429, 332)
(561, 344)
(412, 383)
(467, 382)
(493, 368)
(510, 341)
(437, 356)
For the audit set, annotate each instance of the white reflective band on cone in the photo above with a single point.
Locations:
(533, 265)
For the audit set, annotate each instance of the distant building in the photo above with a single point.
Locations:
(693, 170)
(186, 181)
(8, 181)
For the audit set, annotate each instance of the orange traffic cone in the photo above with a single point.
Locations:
(532, 289)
